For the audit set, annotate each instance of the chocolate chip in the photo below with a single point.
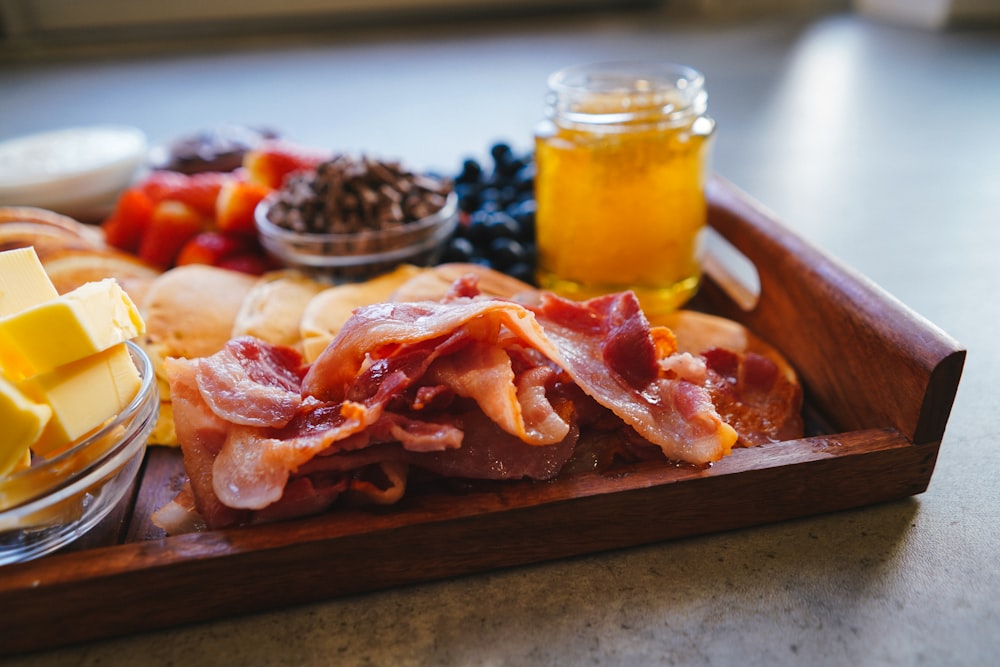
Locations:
(348, 195)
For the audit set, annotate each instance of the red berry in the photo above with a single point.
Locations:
(172, 225)
(212, 248)
(127, 223)
(159, 184)
(234, 208)
(273, 161)
(251, 263)
(198, 191)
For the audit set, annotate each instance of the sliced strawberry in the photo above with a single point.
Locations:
(235, 205)
(172, 225)
(127, 223)
(212, 248)
(196, 190)
(159, 184)
(202, 190)
(253, 263)
(271, 162)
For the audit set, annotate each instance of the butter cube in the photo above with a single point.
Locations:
(83, 395)
(23, 421)
(23, 281)
(87, 320)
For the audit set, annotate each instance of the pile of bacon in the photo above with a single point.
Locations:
(466, 387)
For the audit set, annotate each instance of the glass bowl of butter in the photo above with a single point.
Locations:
(56, 500)
(78, 400)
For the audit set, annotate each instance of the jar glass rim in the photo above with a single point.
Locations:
(627, 92)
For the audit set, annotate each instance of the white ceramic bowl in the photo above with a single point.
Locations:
(54, 502)
(75, 171)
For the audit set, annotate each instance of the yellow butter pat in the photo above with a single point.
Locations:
(23, 422)
(87, 320)
(83, 395)
(23, 281)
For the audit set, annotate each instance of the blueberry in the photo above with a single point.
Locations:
(468, 203)
(530, 252)
(525, 179)
(524, 213)
(502, 226)
(490, 206)
(468, 195)
(507, 195)
(458, 249)
(505, 252)
(499, 210)
(478, 230)
(523, 271)
(472, 172)
(490, 194)
(518, 164)
(502, 153)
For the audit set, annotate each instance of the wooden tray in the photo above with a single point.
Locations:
(879, 383)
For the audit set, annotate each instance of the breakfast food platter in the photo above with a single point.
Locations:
(879, 382)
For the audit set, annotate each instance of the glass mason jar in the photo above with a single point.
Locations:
(622, 158)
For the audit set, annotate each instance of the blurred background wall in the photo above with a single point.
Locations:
(28, 25)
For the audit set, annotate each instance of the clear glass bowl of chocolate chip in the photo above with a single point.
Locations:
(353, 218)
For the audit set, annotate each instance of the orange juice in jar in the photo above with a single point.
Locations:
(621, 165)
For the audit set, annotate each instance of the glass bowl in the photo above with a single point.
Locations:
(58, 500)
(358, 255)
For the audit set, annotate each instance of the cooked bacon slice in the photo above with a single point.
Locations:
(253, 385)
(467, 387)
(586, 340)
(751, 393)
(518, 405)
(201, 434)
(487, 452)
(375, 332)
(674, 414)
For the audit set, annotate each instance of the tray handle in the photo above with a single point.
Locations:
(865, 359)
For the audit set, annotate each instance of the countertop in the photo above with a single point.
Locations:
(879, 143)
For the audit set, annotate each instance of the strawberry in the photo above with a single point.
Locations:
(253, 263)
(172, 225)
(159, 184)
(271, 163)
(196, 190)
(234, 207)
(128, 221)
(213, 247)
(202, 190)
